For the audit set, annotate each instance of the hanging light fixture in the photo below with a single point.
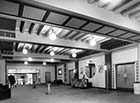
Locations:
(52, 53)
(25, 51)
(52, 35)
(26, 63)
(30, 59)
(92, 42)
(74, 53)
(44, 63)
(52, 60)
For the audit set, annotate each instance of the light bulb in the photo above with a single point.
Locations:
(52, 60)
(30, 59)
(44, 63)
(52, 53)
(74, 55)
(25, 62)
(52, 36)
(25, 51)
(92, 42)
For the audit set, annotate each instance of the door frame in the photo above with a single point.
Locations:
(123, 89)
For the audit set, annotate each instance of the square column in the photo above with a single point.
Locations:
(137, 74)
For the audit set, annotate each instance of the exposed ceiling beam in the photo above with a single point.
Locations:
(33, 60)
(37, 55)
(69, 28)
(26, 37)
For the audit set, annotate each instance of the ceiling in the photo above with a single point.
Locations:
(128, 8)
(27, 25)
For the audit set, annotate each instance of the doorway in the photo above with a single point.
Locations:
(125, 76)
(47, 77)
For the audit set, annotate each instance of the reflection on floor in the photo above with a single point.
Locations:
(66, 94)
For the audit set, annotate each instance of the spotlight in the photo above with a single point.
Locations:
(52, 53)
(44, 63)
(25, 62)
(52, 36)
(25, 51)
(30, 59)
(92, 42)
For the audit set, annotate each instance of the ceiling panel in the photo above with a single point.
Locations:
(9, 7)
(56, 18)
(128, 35)
(9, 24)
(105, 30)
(33, 13)
(76, 23)
(135, 38)
(91, 26)
(117, 33)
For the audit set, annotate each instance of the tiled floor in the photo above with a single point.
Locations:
(66, 94)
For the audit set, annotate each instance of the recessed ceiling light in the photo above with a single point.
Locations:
(30, 59)
(25, 62)
(25, 51)
(52, 53)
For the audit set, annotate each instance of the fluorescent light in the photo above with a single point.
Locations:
(30, 59)
(25, 62)
(52, 53)
(25, 51)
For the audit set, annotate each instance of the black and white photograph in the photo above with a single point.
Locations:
(69, 51)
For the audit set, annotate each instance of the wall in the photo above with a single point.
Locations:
(122, 56)
(42, 69)
(2, 72)
(99, 78)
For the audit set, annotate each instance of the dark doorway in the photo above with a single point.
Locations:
(47, 77)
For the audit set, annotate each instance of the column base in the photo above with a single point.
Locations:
(136, 87)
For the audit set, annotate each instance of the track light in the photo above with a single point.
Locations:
(25, 62)
(25, 51)
(52, 53)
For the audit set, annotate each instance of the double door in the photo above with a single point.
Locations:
(125, 76)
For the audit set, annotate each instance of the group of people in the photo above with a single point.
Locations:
(12, 80)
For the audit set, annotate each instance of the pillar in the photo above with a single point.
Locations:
(55, 72)
(108, 72)
(137, 74)
(2, 72)
(77, 68)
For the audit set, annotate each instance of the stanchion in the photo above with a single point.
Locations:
(48, 88)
